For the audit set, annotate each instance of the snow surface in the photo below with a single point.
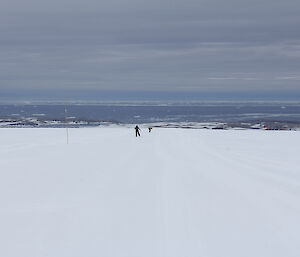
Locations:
(169, 193)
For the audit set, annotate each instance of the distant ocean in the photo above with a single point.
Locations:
(137, 113)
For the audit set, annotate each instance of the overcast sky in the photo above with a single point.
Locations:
(205, 47)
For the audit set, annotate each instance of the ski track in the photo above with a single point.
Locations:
(169, 193)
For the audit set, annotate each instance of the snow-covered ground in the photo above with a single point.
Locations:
(169, 193)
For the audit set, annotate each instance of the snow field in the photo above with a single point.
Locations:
(169, 193)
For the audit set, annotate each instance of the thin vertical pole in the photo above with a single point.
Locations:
(67, 131)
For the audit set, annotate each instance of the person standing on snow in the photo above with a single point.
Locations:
(137, 131)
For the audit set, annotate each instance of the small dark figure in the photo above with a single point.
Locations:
(137, 131)
(149, 129)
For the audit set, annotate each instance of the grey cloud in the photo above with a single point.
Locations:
(149, 45)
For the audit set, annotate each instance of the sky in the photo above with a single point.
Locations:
(138, 49)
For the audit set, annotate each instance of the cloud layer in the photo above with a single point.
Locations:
(196, 46)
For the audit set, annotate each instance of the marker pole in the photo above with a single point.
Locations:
(67, 130)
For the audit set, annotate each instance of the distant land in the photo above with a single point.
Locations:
(268, 115)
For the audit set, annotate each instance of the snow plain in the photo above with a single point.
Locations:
(169, 193)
